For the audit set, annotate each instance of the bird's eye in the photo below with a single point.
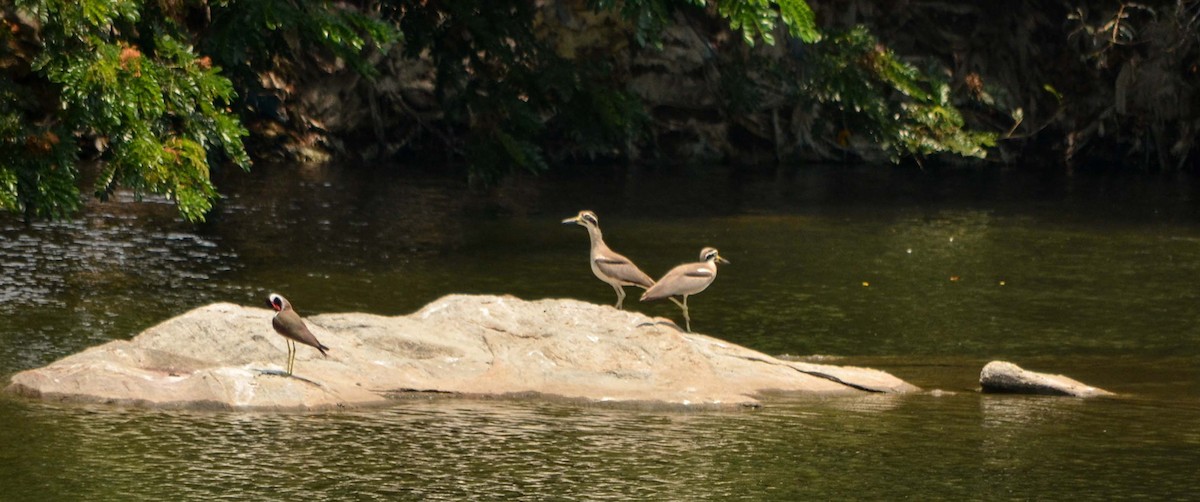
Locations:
(591, 218)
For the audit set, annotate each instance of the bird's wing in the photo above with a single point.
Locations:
(686, 279)
(289, 324)
(676, 282)
(621, 268)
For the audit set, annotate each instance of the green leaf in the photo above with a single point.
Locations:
(801, 21)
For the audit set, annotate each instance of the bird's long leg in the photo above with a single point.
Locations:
(620, 295)
(683, 307)
(687, 320)
(291, 356)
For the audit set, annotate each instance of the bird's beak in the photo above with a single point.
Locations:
(571, 220)
(722, 260)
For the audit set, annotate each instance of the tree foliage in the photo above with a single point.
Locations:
(758, 19)
(161, 92)
(516, 98)
(908, 112)
(1067, 83)
(156, 107)
(125, 77)
(250, 37)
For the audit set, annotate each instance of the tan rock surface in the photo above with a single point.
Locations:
(227, 356)
(1006, 377)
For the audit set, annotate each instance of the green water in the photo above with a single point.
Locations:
(928, 277)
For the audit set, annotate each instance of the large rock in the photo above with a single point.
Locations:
(228, 356)
(1006, 377)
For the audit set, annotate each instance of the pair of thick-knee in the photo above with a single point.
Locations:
(613, 268)
(618, 271)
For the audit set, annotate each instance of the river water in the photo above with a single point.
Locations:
(926, 276)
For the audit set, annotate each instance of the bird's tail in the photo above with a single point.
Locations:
(322, 348)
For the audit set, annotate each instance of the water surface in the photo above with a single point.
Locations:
(926, 276)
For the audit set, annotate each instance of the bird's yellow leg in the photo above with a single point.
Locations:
(620, 295)
(291, 356)
(687, 320)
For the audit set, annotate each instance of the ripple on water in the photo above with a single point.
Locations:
(444, 450)
(74, 283)
(847, 275)
(953, 447)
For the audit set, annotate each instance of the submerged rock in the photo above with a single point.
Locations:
(1006, 377)
(227, 356)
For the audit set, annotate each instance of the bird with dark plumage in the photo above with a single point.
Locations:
(687, 279)
(610, 267)
(288, 324)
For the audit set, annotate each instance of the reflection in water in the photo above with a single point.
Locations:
(1105, 448)
(919, 446)
(1026, 411)
(421, 451)
(51, 261)
(67, 285)
(334, 218)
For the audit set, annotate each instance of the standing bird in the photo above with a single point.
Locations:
(288, 323)
(687, 279)
(609, 266)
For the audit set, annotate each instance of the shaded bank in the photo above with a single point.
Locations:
(1061, 84)
(530, 86)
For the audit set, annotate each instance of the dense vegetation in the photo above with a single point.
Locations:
(124, 79)
(1066, 83)
(161, 91)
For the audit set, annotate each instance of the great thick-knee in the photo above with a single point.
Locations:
(609, 266)
(685, 280)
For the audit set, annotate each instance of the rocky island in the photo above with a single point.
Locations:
(226, 356)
